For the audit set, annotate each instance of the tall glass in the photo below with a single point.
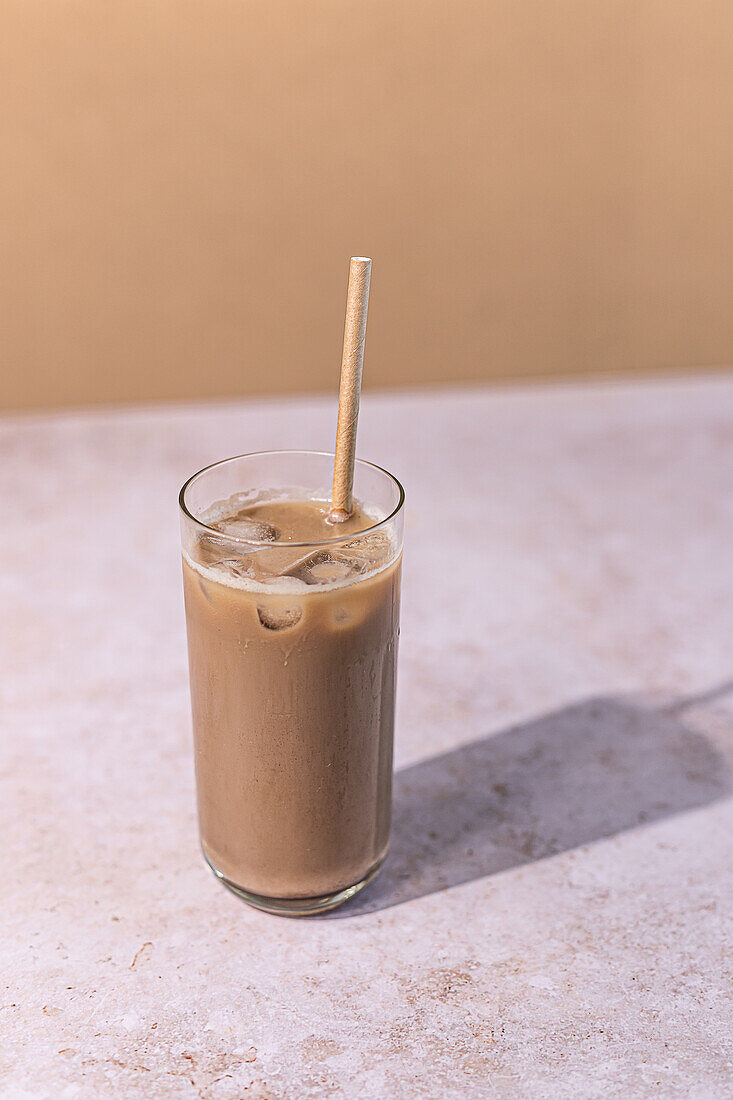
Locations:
(292, 685)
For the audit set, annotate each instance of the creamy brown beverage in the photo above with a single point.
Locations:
(292, 652)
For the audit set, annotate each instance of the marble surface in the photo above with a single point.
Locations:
(555, 917)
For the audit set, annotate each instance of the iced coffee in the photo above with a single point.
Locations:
(292, 631)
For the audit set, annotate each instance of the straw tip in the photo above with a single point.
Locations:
(338, 515)
(361, 260)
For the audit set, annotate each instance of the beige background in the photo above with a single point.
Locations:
(545, 186)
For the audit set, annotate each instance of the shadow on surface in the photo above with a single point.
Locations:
(571, 777)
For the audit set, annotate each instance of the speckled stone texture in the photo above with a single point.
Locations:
(554, 920)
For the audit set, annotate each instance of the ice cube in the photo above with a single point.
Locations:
(235, 567)
(208, 549)
(205, 590)
(325, 567)
(246, 527)
(277, 616)
(283, 610)
(367, 552)
(341, 617)
(348, 559)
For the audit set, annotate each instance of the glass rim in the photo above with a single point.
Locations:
(294, 451)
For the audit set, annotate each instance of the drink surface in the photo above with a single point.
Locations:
(292, 651)
(289, 520)
(270, 544)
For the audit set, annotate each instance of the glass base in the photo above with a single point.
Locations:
(298, 907)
